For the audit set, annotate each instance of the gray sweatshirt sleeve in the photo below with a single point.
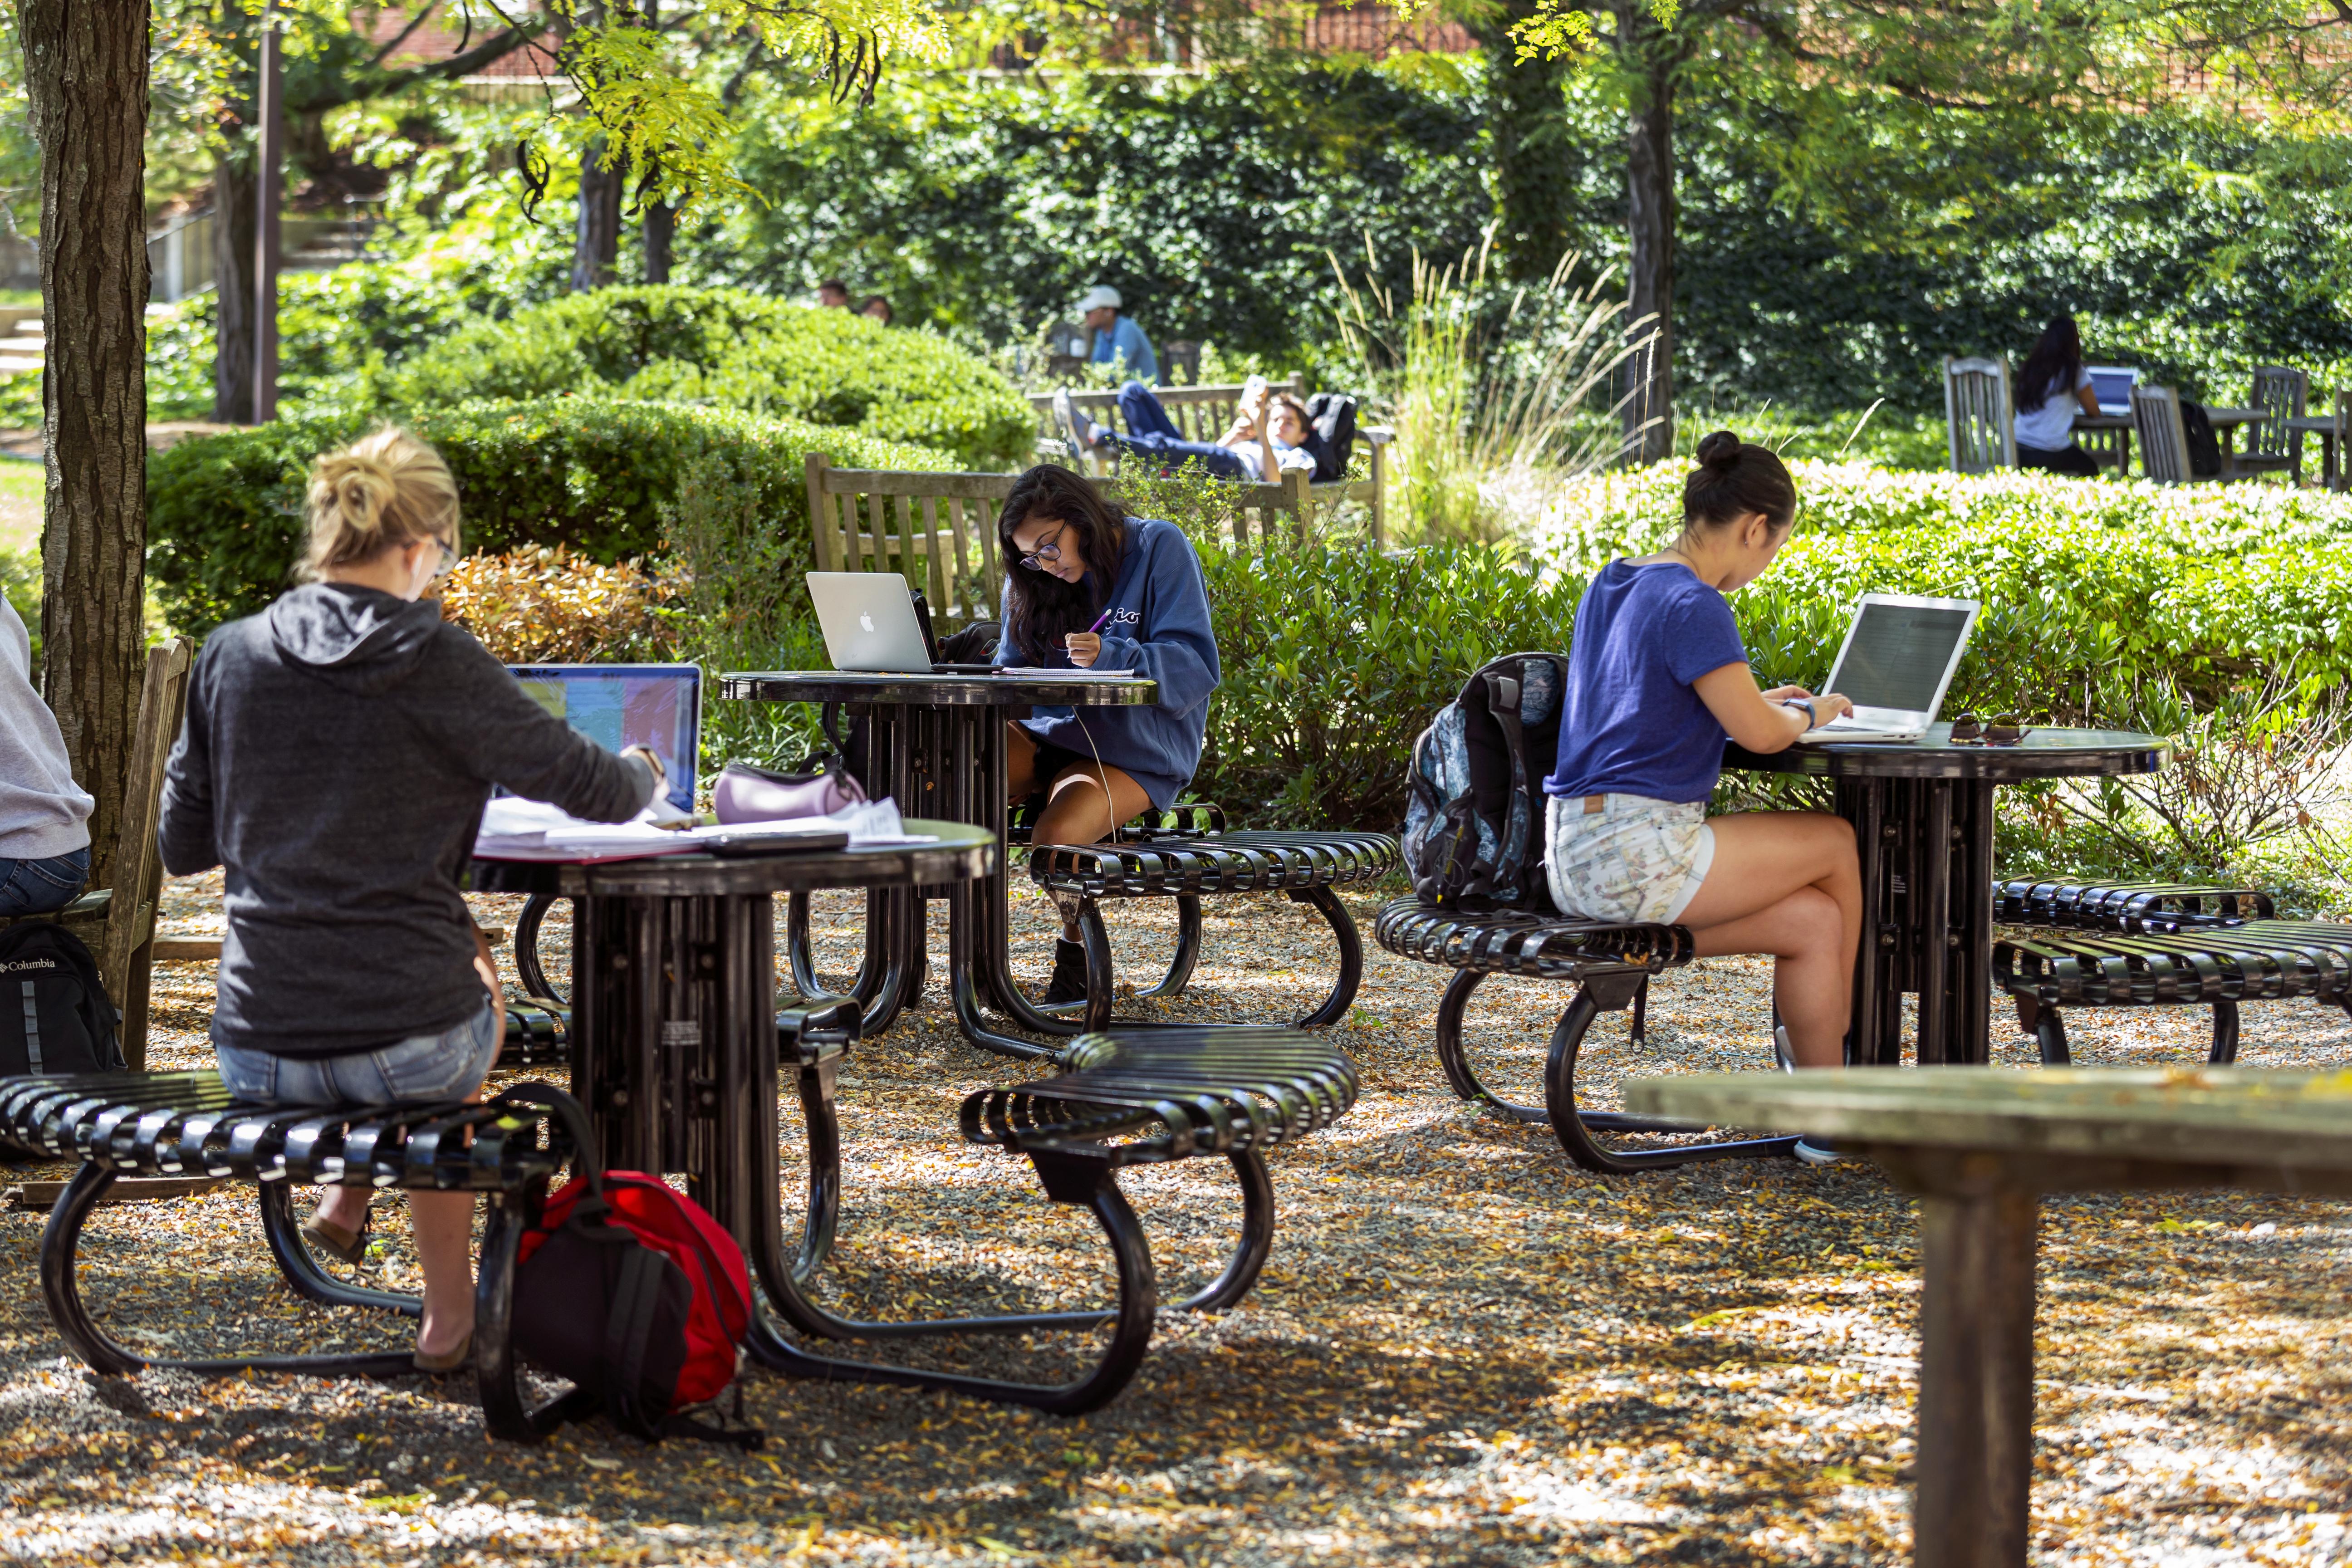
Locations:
(490, 724)
(186, 833)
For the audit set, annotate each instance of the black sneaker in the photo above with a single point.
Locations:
(1069, 982)
(1080, 429)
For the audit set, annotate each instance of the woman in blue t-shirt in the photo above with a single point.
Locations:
(1084, 584)
(1657, 681)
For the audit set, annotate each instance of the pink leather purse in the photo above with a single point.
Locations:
(749, 793)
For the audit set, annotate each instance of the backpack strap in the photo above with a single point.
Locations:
(637, 1297)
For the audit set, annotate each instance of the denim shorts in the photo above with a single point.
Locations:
(1633, 859)
(36, 887)
(448, 1066)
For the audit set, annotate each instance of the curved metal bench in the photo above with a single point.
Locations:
(1189, 863)
(1123, 1097)
(2076, 904)
(1611, 966)
(170, 1124)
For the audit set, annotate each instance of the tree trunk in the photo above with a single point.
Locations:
(661, 232)
(85, 77)
(236, 205)
(1650, 249)
(596, 235)
(1527, 124)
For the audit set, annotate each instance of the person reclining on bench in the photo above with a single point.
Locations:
(1657, 681)
(1083, 581)
(338, 751)
(1270, 433)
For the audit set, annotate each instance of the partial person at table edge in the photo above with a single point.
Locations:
(1658, 679)
(2053, 388)
(1087, 584)
(337, 754)
(44, 813)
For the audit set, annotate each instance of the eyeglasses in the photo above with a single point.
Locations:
(448, 559)
(1967, 730)
(1046, 551)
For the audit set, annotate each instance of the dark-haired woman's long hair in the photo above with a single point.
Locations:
(1040, 609)
(2057, 357)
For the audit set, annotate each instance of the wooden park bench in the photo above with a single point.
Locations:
(938, 530)
(2160, 944)
(1204, 413)
(1117, 1099)
(1187, 854)
(1611, 966)
(186, 1124)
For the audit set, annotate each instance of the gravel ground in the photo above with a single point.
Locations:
(1465, 1351)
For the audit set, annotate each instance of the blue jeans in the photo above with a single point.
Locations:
(448, 1066)
(36, 887)
(1152, 433)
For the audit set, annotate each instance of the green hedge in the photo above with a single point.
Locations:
(224, 512)
(734, 349)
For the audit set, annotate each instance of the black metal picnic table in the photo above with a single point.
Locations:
(937, 745)
(1923, 819)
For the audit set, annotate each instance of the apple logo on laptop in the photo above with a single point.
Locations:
(865, 620)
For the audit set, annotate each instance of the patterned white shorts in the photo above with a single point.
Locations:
(1633, 859)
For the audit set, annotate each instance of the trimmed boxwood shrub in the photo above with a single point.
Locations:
(733, 350)
(225, 512)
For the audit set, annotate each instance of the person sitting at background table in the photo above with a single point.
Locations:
(44, 814)
(1657, 681)
(1117, 339)
(1086, 584)
(1270, 433)
(875, 309)
(2050, 389)
(833, 294)
(337, 754)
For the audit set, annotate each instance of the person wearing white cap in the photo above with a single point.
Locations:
(1117, 337)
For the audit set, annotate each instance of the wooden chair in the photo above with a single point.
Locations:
(2163, 441)
(1979, 415)
(938, 530)
(119, 920)
(2336, 453)
(1182, 354)
(1204, 413)
(2279, 392)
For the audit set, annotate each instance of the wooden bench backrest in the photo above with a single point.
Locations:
(938, 530)
(2280, 391)
(2163, 440)
(1198, 413)
(1976, 413)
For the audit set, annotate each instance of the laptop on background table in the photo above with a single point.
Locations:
(1895, 665)
(2112, 385)
(656, 706)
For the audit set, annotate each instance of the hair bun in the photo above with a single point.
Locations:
(359, 487)
(1720, 450)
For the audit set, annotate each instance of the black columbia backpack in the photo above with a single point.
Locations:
(2204, 454)
(55, 1014)
(1332, 415)
(1474, 817)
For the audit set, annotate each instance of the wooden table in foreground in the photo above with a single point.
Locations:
(1981, 1146)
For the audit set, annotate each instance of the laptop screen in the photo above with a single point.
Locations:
(1897, 655)
(2112, 387)
(657, 706)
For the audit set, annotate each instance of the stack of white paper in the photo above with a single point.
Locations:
(515, 829)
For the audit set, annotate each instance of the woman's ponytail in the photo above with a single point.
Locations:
(381, 492)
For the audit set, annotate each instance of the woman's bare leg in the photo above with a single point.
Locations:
(1020, 763)
(1788, 883)
(1078, 810)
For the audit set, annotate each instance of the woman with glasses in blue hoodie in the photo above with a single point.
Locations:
(337, 754)
(1085, 584)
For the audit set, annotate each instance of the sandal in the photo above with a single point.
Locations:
(333, 1239)
(449, 1361)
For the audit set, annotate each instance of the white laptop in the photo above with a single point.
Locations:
(1894, 667)
(870, 624)
(2112, 385)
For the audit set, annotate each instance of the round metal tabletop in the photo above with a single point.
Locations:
(962, 853)
(2042, 753)
(936, 691)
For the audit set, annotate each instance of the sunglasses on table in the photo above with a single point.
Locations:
(1967, 730)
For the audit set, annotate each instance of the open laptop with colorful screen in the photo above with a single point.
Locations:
(2112, 385)
(657, 706)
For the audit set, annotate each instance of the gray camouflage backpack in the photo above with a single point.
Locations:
(1474, 816)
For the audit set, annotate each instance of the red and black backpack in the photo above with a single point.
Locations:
(628, 1286)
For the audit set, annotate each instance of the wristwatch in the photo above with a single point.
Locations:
(1813, 716)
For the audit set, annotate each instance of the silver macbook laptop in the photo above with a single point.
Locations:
(1895, 666)
(869, 622)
